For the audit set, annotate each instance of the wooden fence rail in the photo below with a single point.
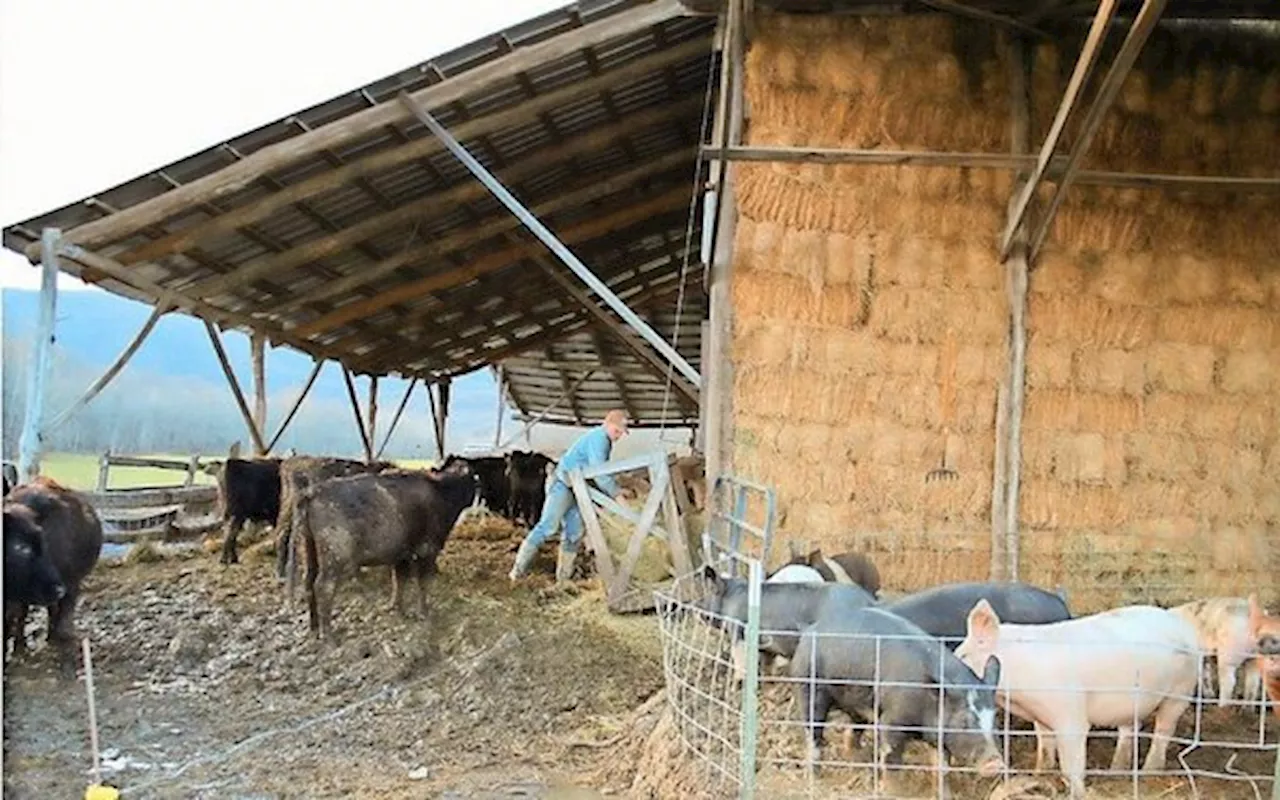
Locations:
(190, 466)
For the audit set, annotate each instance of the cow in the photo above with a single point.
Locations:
(47, 524)
(248, 490)
(10, 477)
(296, 474)
(526, 476)
(491, 471)
(399, 518)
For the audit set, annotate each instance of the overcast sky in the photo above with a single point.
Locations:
(94, 93)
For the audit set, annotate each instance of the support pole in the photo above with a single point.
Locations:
(497, 432)
(554, 244)
(109, 375)
(395, 418)
(442, 408)
(216, 341)
(31, 443)
(355, 409)
(258, 344)
(284, 425)
(372, 422)
(435, 422)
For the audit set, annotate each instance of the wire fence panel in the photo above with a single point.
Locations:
(864, 704)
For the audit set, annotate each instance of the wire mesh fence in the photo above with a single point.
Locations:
(856, 706)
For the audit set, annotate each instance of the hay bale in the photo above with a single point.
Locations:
(1183, 368)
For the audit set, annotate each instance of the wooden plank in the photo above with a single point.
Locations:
(677, 525)
(594, 533)
(492, 262)
(433, 204)
(146, 463)
(659, 480)
(216, 340)
(1079, 76)
(273, 157)
(152, 498)
(110, 372)
(258, 349)
(373, 412)
(1143, 24)
(31, 441)
(355, 410)
(371, 165)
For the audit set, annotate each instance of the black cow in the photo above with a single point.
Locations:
(247, 490)
(491, 471)
(527, 482)
(46, 524)
(399, 518)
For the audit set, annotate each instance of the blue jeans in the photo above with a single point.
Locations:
(560, 506)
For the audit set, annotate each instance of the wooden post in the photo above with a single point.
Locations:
(442, 410)
(497, 433)
(104, 471)
(193, 466)
(373, 413)
(717, 395)
(355, 409)
(284, 424)
(1016, 277)
(395, 418)
(31, 442)
(258, 344)
(258, 445)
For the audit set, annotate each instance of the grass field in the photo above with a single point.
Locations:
(80, 471)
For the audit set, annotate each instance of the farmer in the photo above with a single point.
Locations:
(592, 448)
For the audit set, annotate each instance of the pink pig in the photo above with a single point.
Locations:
(1107, 669)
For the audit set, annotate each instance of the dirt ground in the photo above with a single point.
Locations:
(207, 685)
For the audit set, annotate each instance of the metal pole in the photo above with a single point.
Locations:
(554, 244)
(31, 442)
(751, 683)
(497, 434)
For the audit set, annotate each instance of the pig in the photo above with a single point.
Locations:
(785, 609)
(70, 534)
(399, 518)
(844, 568)
(1106, 669)
(1264, 630)
(796, 573)
(1222, 624)
(943, 610)
(842, 646)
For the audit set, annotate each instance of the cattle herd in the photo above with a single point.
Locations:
(825, 628)
(824, 623)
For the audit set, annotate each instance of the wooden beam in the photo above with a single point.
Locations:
(355, 410)
(373, 411)
(215, 339)
(435, 421)
(258, 348)
(190, 237)
(442, 410)
(1143, 24)
(336, 133)
(498, 378)
(31, 443)
(311, 379)
(395, 419)
(1000, 161)
(983, 14)
(541, 415)
(564, 383)
(606, 361)
(555, 245)
(110, 373)
(436, 203)
(1079, 77)
(492, 262)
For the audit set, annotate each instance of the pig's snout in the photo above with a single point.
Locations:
(991, 767)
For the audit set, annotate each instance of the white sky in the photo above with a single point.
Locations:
(94, 93)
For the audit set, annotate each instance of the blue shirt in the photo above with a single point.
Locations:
(592, 448)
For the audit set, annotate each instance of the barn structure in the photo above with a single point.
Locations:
(982, 286)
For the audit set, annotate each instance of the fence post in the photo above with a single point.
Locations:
(104, 470)
(192, 467)
(751, 682)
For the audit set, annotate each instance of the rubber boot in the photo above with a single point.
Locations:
(524, 557)
(564, 565)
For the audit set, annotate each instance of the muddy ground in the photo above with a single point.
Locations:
(209, 686)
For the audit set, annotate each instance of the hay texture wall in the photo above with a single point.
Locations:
(870, 322)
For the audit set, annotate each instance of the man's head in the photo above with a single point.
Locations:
(615, 422)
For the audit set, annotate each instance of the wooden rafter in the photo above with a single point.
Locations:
(564, 383)
(216, 340)
(291, 151)
(607, 361)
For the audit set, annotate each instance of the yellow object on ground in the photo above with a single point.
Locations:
(99, 792)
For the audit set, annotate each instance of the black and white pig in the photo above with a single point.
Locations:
(943, 611)
(785, 610)
(843, 647)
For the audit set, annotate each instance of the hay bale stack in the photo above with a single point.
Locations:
(1154, 355)
(869, 308)
(870, 319)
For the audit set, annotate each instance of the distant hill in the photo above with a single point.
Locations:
(177, 361)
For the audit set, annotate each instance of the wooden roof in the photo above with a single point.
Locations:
(347, 231)
(1031, 12)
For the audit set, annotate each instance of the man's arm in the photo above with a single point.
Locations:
(598, 453)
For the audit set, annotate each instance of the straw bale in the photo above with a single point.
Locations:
(1180, 367)
(1234, 466)
(1162, 457)
(978, 365)
(1050, 504)
(1051, 410)
(1048, 365)
(1164, 412)
(1244, 284)
(1231, 327)
(1090, 322)
(1215, 418)
(911, 262)
(1120, 282)
(1110, 370)
(849, 259)
(1096, 411)
(765, 342)
(1259, 421)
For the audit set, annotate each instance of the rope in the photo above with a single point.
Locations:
(688, 243)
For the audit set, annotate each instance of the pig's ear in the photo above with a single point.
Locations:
(991, 672)
(983, 622)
